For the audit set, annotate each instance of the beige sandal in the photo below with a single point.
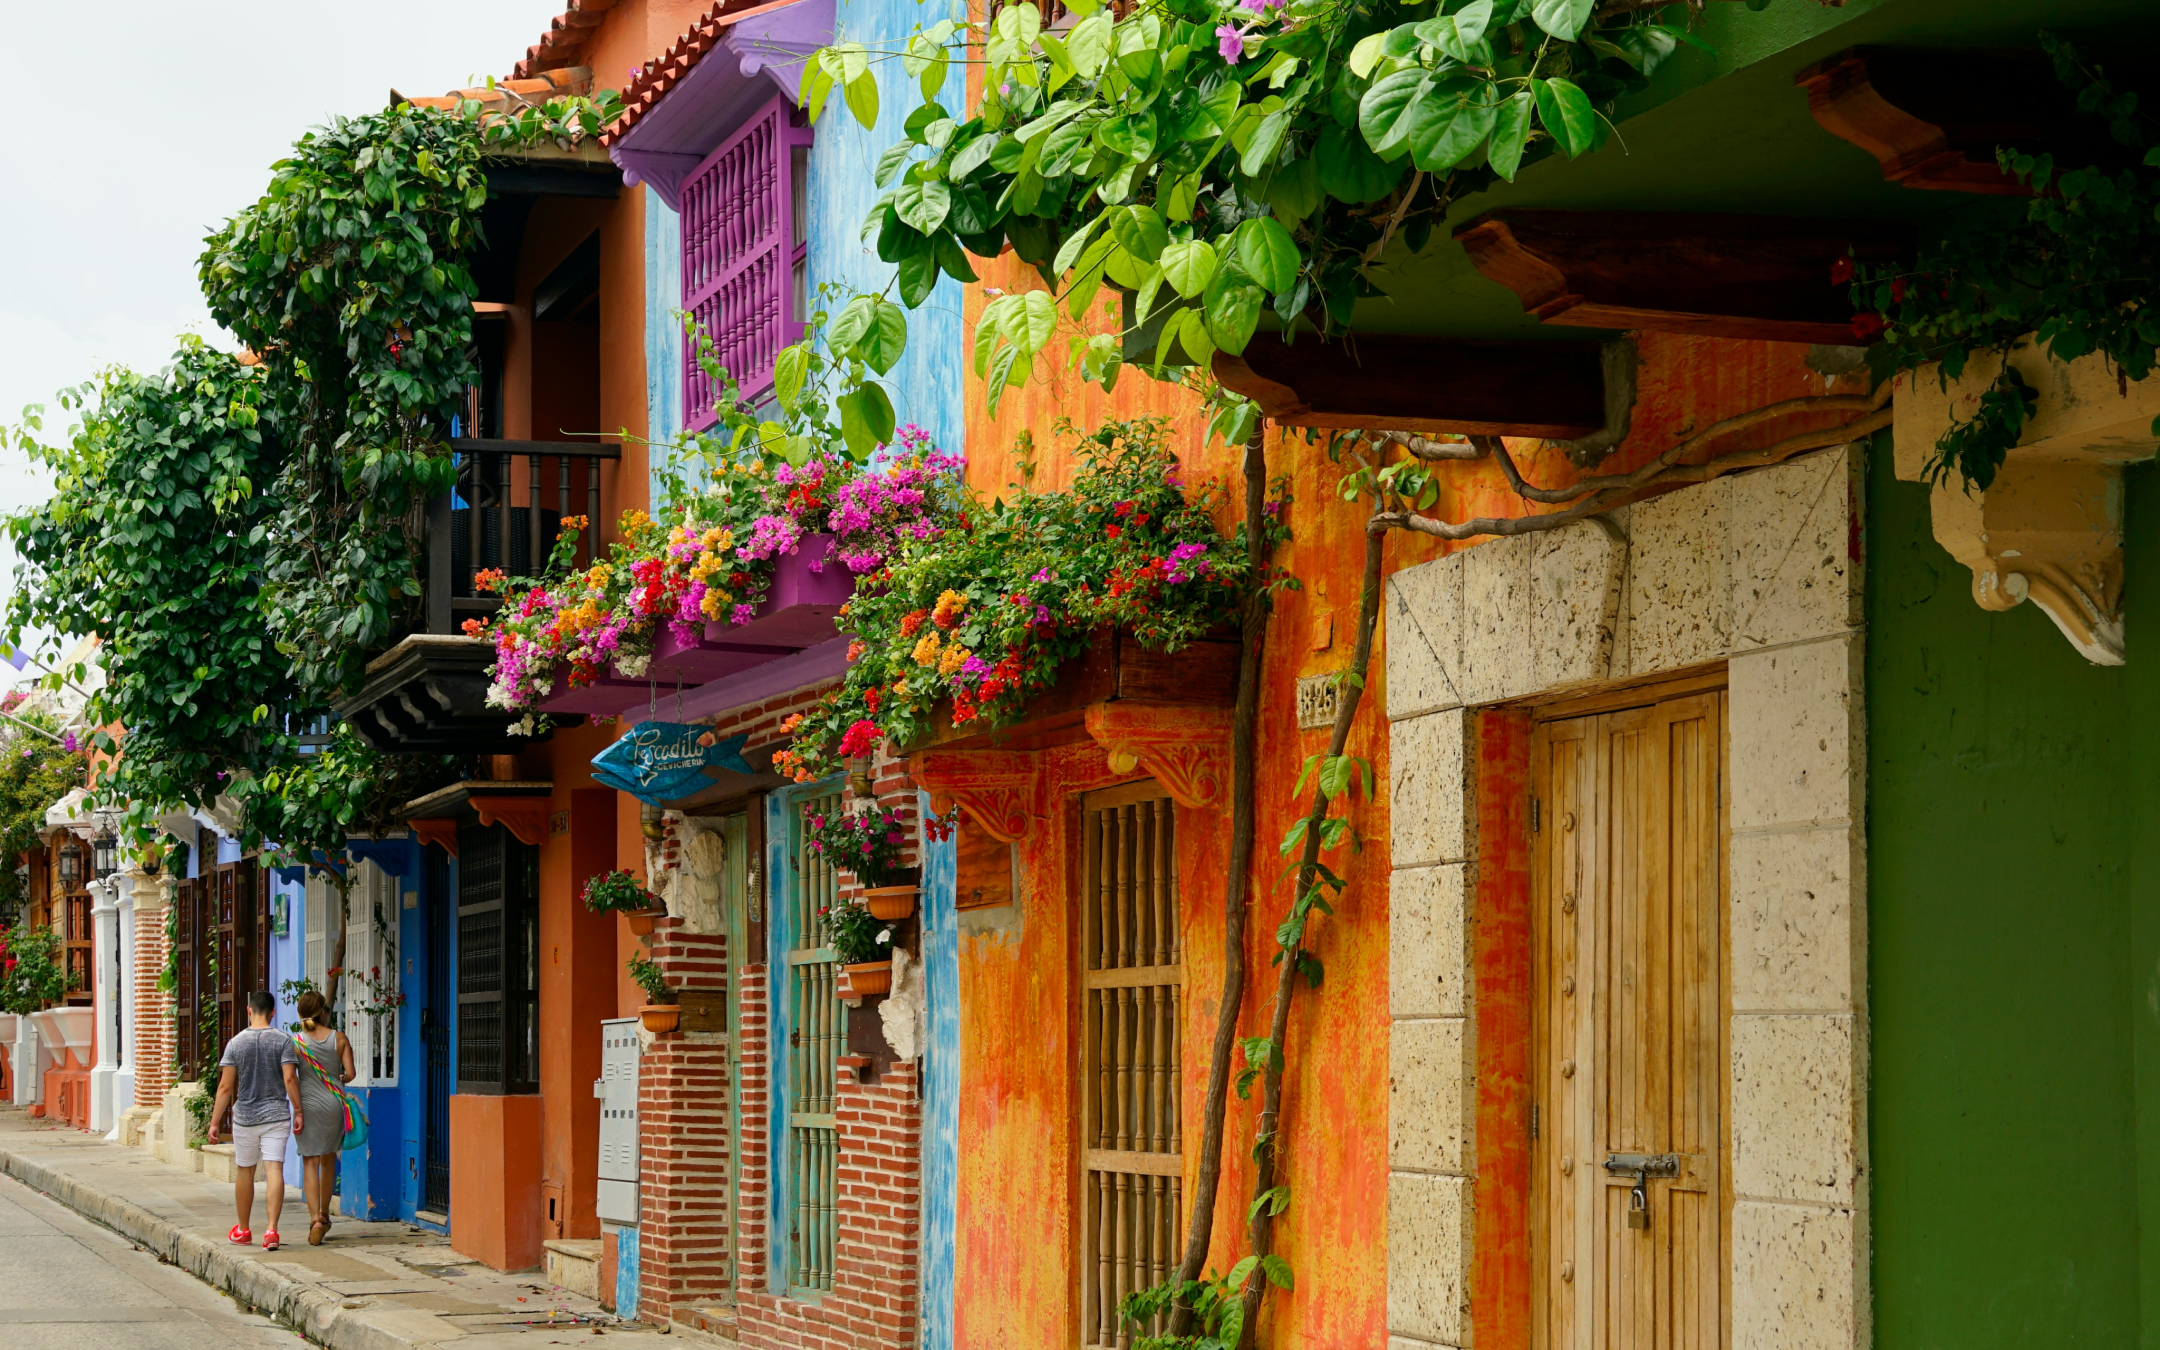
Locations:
(317, 1231)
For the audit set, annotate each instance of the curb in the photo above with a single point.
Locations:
(316, 1314)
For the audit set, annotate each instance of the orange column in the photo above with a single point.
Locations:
(495, 1179)
(577, 991)
(1500, 951)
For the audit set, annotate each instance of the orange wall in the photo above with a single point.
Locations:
(1016, 1118)
(495, 1207)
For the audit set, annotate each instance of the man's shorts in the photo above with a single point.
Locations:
(257, 1143)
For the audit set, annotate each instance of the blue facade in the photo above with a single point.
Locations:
(926, 385)
(941, 1083)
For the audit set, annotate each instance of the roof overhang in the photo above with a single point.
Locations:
(733, 73)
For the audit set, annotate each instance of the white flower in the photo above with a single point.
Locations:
(884, 935)
(632, 667)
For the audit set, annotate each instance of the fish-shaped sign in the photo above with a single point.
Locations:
(666, 761)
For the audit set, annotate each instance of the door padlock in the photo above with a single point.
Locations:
(1638, 1205)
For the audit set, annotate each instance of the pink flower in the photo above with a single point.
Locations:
(1229, 43)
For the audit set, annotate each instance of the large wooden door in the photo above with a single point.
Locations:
(1629, 1047)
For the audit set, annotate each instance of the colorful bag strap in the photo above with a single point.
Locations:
(329, 1080)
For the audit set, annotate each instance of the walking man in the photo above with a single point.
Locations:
(259, 1087)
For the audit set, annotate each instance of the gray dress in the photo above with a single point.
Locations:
(322, 1128)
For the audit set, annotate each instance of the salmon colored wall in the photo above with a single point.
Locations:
(1500, 954)
(577, 991)
(495, 1207)
(1019, 1114)
(1015, 1171)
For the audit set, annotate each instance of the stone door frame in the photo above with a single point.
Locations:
(1760, 570)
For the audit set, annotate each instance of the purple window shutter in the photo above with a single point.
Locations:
(739, 256)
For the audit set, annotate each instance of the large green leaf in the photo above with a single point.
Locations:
(1140, 232)
(1268, 254)
(866, 419)
(1188, 266)
(1266, 142)
(1032, 324)
(1390, 108)
(1511, 131)
(1457, 34)
(1349, 170)
(1449, 123)
(923, 205)
(1566, 113)
(1233, 310)
(1564, 19)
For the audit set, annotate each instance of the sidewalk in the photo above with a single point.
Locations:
(370, 1286)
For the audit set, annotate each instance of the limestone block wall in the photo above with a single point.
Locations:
(1762, 571)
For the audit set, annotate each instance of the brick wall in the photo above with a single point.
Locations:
(153, 1006)
(872, 1304)
(683, 1141)
(683, 1119)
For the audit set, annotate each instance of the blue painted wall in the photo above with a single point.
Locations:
(925, 386)
(779, 936)
(941, 1084)
(663, 331)
(626, 1273)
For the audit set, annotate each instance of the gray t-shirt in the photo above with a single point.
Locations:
(257, 1056)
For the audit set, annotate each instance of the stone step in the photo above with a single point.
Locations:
(574, 1264)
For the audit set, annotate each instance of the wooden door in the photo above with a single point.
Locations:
(1629, 1043)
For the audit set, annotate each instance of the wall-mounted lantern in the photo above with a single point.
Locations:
(105, 855)
(70, 864)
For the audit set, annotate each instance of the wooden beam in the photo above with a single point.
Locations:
(1762, 278)
(1386, 382)
(1935, 119)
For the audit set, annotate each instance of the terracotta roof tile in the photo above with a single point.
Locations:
(561, 82)
(665, 71)
(565, 42)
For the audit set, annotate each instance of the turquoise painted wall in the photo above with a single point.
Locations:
(2012, 930)
(925, 386)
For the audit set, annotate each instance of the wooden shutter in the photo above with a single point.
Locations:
(740, 251)
(1132, 1133)
(1629, 1050)
(498, 984)
(188, 948)
(817, 1037)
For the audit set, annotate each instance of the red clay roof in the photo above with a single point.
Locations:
(667, 70)
(565, 42)
(558, 83)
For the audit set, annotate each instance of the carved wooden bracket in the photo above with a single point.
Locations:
(436, 831)
(1765, 278)
(1186, 749)
(2049, 528)
(525, 817)
(999, 789)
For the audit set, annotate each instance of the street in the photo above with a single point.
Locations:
(67, 1283)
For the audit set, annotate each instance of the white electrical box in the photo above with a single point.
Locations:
(617, 1089)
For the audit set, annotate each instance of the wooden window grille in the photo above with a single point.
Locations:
(79, 945)
(743, 254)
(817, 1036)
(188, 1057)
(233, 926)
(498, 984)
(1132, 1139)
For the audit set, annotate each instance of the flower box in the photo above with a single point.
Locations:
(642, 920)
(808, 588)
(890, 902)
(660, 1018)
(867, 980)
(1115, 666)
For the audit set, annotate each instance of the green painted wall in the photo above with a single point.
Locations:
(2011, 840)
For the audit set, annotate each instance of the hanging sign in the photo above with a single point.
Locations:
(665, 761)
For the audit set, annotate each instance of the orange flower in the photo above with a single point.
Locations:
(911, 622)
(948, 609)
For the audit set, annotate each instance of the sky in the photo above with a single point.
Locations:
(144, 124)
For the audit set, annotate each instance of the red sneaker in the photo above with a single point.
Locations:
(270, 1243)
(239, 1237)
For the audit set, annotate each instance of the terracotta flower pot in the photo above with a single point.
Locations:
(868, 979)
(660, 1018)
(642, 920)
(890, 902)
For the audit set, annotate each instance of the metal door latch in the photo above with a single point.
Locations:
(1644, 1166)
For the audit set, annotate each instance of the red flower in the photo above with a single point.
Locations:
(1866, 327)
(1841, 270)
(1897, 290)
(860, 739)
(1112, 530)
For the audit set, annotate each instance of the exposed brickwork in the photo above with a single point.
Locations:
(683, 1255)
(683, 1089)
(153, 1006)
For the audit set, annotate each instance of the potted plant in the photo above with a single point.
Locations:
(867, 843)
(864, 946)
(624, 894)
(662, 1012)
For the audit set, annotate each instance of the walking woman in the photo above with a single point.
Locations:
(325, 1058)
